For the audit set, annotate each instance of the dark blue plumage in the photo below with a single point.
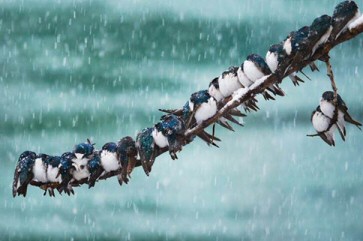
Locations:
(95, 168)
(299, 39)
(23, 173)
(173, 128)
(344, 13)
(86, 149)
(146, 149)
(298, 47)
(53, 161)
(66, 169)
(328, 108)
(186, 111)
(110, 146)
(126, 152)
(200, 97)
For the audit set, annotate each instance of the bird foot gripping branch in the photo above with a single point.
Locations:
(235, 87)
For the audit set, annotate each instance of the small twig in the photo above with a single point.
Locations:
(330, 74)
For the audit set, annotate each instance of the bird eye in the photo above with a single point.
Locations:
(82, 166)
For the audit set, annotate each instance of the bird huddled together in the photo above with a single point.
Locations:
(86, 165)
(329, 116)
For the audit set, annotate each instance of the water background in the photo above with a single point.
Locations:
(71, 70)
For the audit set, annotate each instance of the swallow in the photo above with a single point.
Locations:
(109, 158)
(328, 108)
(228, 81)
(344, 14)
(185, 113)
(320, 30)
(275, 57)
(66, 170)
(298, 47)
(83, 152)
(146, 148)
(52, 168)
(255, 67)
(127, 154)
(323, 126)
(23, 173)
(40, 171)
(172, 128)
(40, 168)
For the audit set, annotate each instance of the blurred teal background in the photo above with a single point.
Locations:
(71, 70)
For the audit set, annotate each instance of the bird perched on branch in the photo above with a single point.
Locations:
(66, 170)
(109, 159)
(328, 108)
(275, 57)
(40, 168)
(83, 152)
(320, 30)
(172, 128)
(41, 175)
(242, 77)
(200, 107)
(344, 14)
(323, 126)
(298, 46)
(255, 67)
(127, 153)
(146, 148)
(52, 164)
(23, 173)
(228, 82)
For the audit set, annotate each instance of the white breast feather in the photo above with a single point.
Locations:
(251, 71)
(228, 84)
(109, 161)
(242, 78)
(191, 105)
(212, 91)
(160, 139)
(320, 122)
(271, 60)
(52, 173)
(327, 108)
(80, 173)
(39, 171)
(206, 110)
(287, 46)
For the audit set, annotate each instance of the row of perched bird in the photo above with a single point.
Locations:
(87, 165)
